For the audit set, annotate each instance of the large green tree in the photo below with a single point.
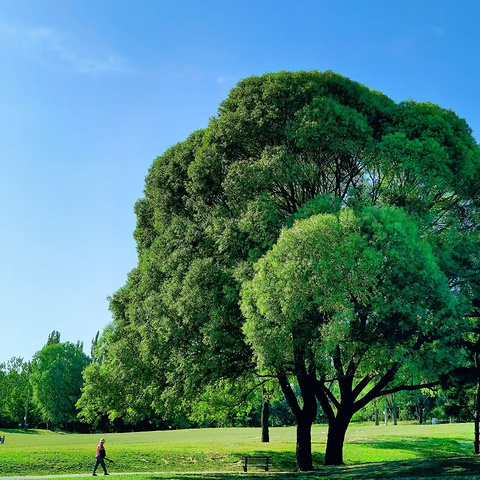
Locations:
(282, 148)
(351, 301)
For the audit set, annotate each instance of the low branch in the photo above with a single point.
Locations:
(244, 396)
(401, 388)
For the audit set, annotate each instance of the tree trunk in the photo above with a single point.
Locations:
(25, 418)
(376, 414)
(304, 416)
(336, 439)
(394, 409)
(476, 442)
(304, 446)
(265, 420)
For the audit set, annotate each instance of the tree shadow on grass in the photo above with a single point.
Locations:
(452, 468)
(425, 447)
(280, 461)
(458, 467)
(19, 430)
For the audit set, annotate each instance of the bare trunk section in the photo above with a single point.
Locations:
(265, 419)
(304, 418)
(304, 446)
(476, 442)
(336, 438)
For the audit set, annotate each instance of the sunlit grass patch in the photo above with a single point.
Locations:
(219, 450)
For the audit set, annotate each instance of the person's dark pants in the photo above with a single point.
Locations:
(100, 461)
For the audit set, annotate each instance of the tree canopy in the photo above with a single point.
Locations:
(353, 307)
(15, 392)
(56, 380)
(283, 148)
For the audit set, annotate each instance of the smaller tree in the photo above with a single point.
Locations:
(15, 392)
(350, 308)
(56, 380)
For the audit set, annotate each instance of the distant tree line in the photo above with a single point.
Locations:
(46, 391)
(43, 392)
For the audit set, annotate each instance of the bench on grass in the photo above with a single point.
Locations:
(256, 461)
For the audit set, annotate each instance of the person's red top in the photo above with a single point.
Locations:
(99, 447)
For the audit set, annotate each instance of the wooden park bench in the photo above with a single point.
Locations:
(256, 461)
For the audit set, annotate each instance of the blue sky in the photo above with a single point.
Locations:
(93, 90)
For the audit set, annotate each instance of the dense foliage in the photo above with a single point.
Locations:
(15, 393)
(56, 380)
(371, 324)
(283, 148)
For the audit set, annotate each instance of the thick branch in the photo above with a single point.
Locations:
(325, 396)
(337, 361)
(409, 388)
(361, 385)
(289, 395)
(376, 391)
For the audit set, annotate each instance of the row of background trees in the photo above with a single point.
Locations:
(46, 391)
(316, 239)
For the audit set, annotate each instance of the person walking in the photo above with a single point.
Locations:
(100, 455)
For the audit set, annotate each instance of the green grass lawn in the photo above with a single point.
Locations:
(40, 452)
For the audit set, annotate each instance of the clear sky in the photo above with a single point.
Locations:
(92, 91)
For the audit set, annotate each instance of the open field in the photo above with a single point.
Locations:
(369, 452)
